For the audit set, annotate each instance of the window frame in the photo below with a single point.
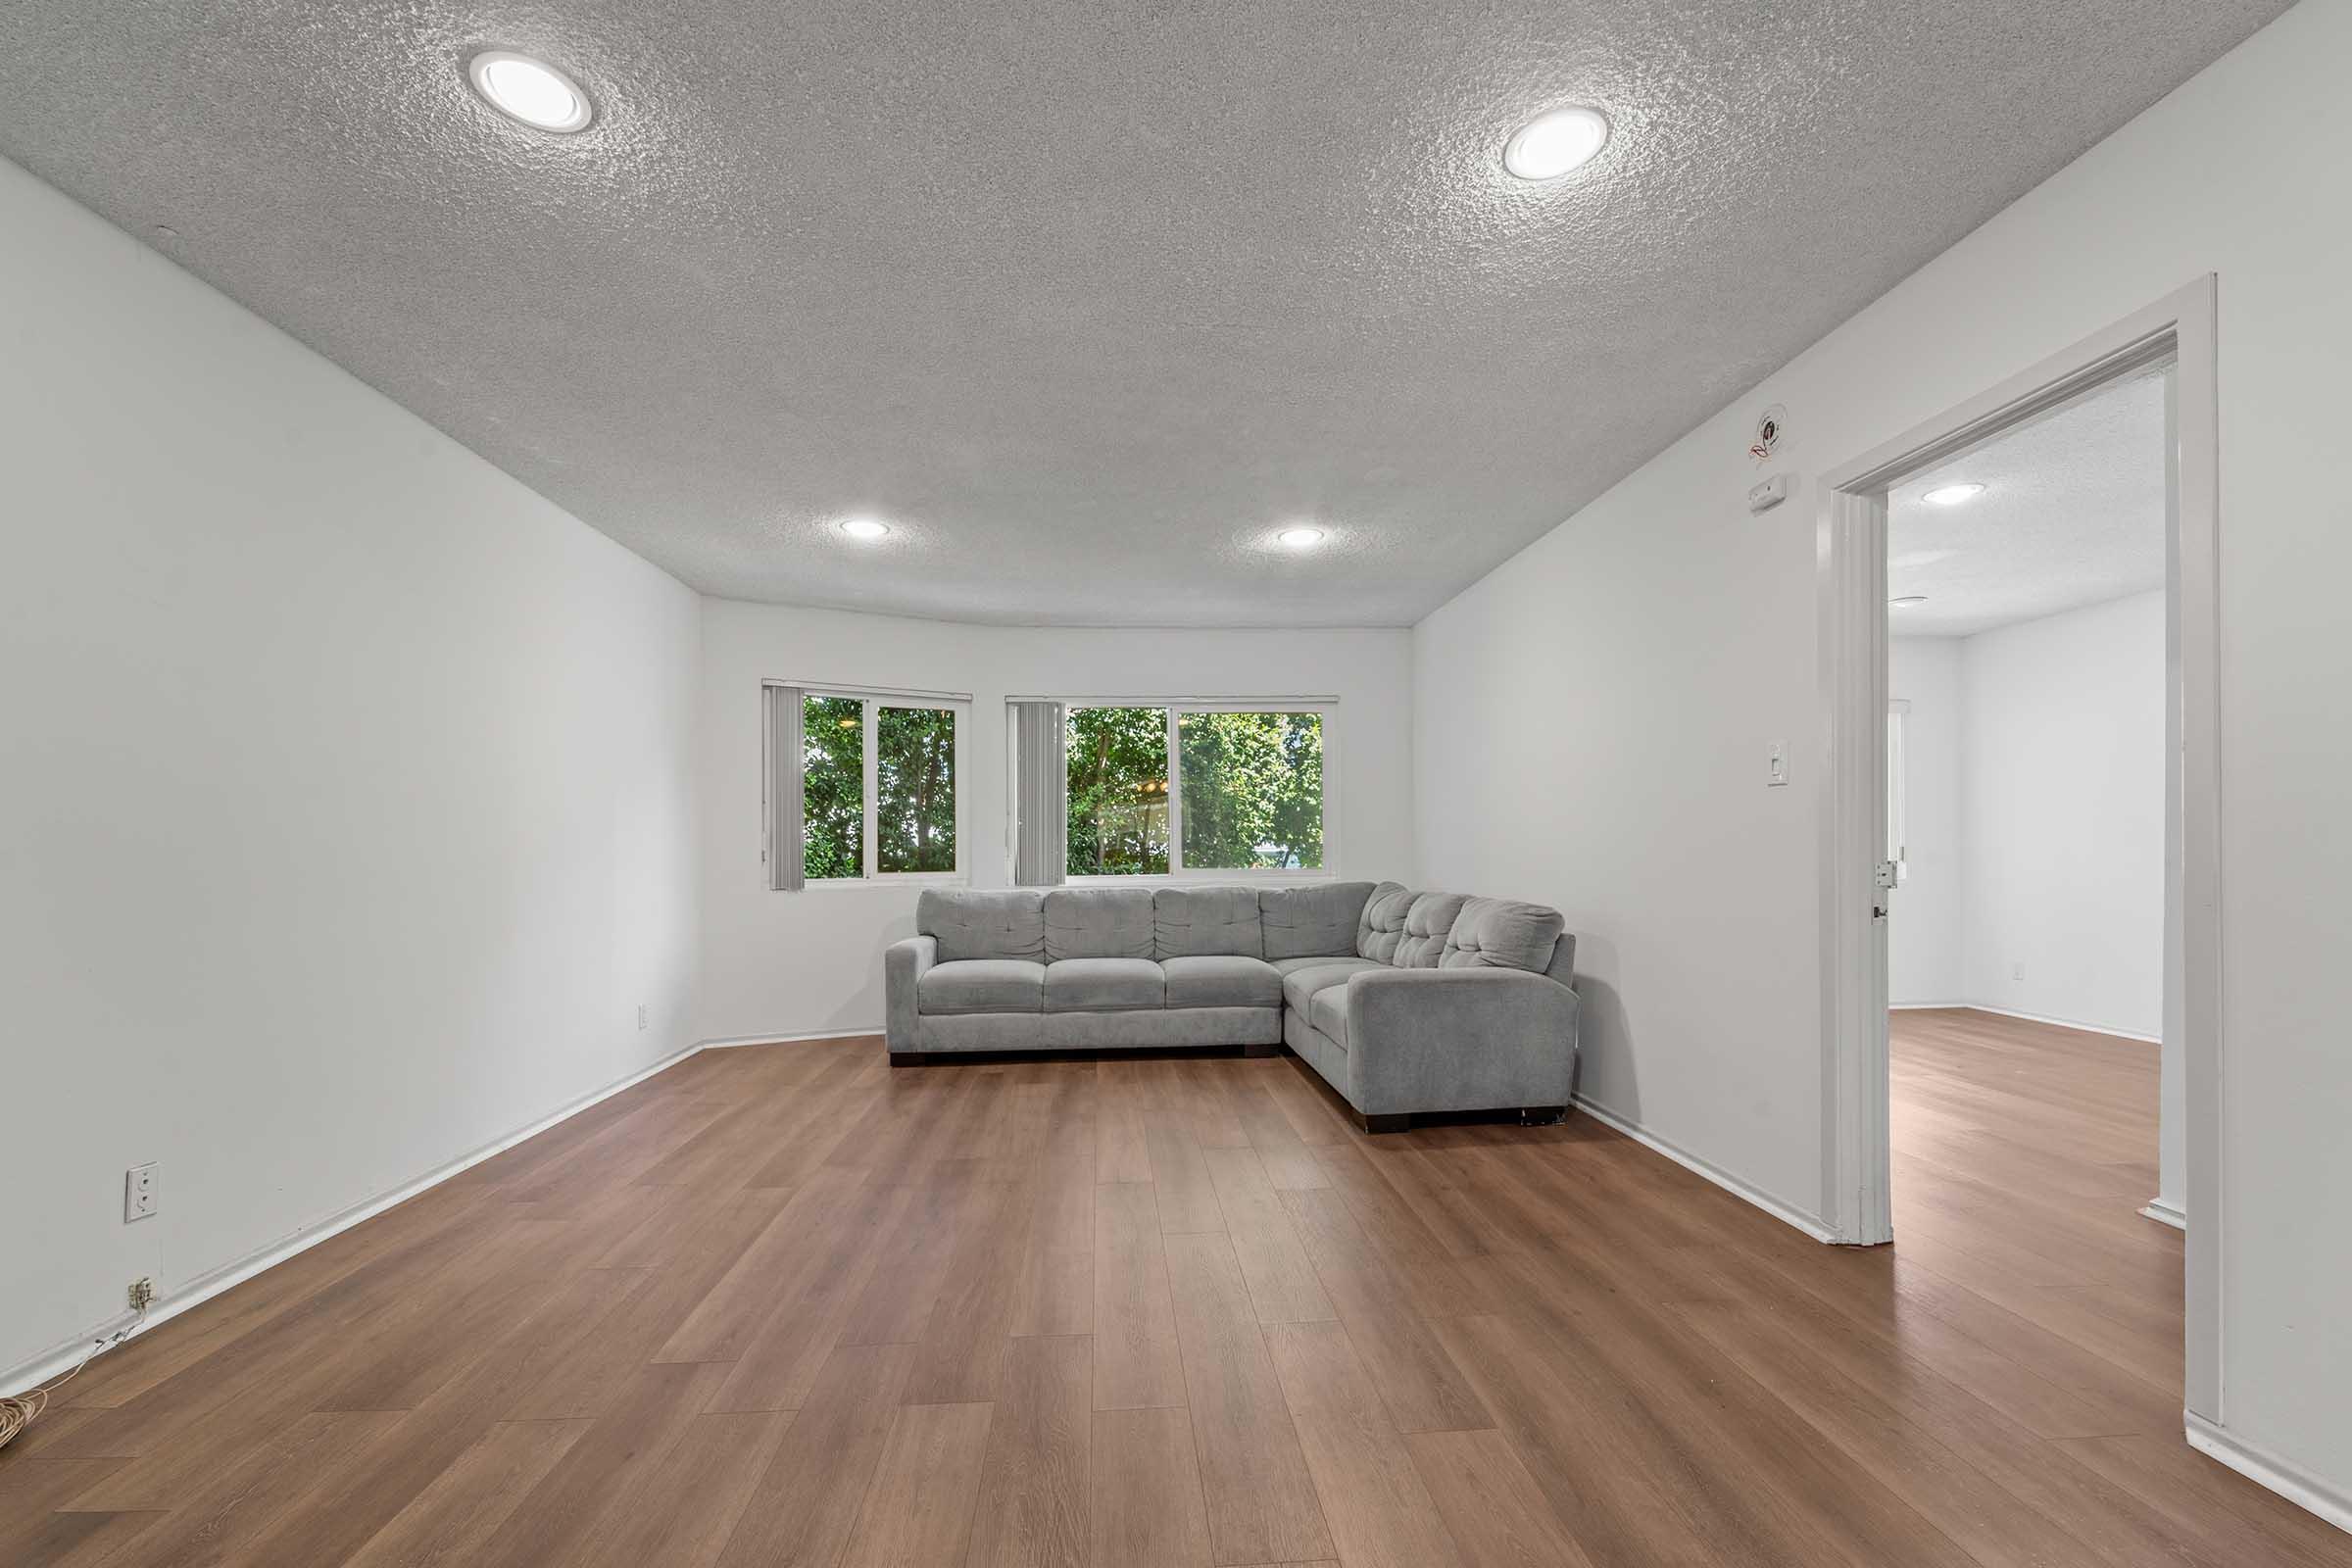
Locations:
(1325, 708)
(872, 700)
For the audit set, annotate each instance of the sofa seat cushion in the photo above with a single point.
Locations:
(983, 985)
(1318, 961)
(1300, 986)
(1105, 985)
(1222, 981)
(1328, 1012)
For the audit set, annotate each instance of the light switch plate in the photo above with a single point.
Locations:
(1777, 764)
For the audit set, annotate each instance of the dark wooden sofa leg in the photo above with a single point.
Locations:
(1384, 1124)
(906, 1058)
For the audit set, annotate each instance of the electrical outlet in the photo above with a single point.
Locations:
(2017, 971)
(641, 1015)
(140, 1191)
(142, 1293)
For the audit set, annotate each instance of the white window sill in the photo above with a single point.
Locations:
(1194, 879)
(900, 879)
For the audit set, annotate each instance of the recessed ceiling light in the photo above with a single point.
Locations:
(1299, 538)
(1907, 601)
(529, 90)
(863, 528)
(1951, 495)
(1550, 145)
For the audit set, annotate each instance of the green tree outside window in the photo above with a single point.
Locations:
(1253, 791)
(914, 789)
(1119, 781)
(833, 786)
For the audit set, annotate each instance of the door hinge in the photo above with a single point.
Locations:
(1886, 874)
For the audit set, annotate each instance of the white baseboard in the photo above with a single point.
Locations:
(730, 1042)
(1722, 1178)
(2290, 1481)
(60, 1357)
(2032, 1017)
(2164, 1214)
(1927, 1006)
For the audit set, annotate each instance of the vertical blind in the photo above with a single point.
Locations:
(786, 854)
(1041, 799)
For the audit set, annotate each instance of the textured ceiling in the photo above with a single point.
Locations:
(1087, 298)
(2072, 514)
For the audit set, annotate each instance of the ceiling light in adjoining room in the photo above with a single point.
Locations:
(1907, 601)
(1551, 145)
(1299, 538)
(529, 90)
(1951, 495)
(866, 528)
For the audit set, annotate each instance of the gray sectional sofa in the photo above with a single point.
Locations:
(1406, 1002)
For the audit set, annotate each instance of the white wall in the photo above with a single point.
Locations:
(346, 809)
(2035, 818)
(1668, 637)
(1923, 931)
(2062, 816)
(779, 964)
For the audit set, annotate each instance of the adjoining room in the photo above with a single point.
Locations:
(2031, 818)
(1035, 786)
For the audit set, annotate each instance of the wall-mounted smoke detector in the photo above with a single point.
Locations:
(1771, 425)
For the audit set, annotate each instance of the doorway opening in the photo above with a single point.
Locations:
(2029, 825)
(2153, 373)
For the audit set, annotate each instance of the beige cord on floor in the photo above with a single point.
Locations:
(21, 1410)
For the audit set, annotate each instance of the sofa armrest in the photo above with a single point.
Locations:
(902, 966)
(1470, 1039)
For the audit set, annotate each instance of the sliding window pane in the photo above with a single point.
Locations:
(1118, 800)
(833, 784)
(914, 789)
(1253, 791)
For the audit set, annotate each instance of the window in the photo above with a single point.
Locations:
(1118, 791)
(914, 789)
(1253, 791)
(877, 774)
(1169, 789)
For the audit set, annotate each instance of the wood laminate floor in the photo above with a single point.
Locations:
(786, 1306)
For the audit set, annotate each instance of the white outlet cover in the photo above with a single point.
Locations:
(141, 1191)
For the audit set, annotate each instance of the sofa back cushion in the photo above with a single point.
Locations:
(1381, 925)
(1196, 922)
(1098, 923)
(1427, 924)
(1312, 922)
(983, 923)
(1502, 934)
